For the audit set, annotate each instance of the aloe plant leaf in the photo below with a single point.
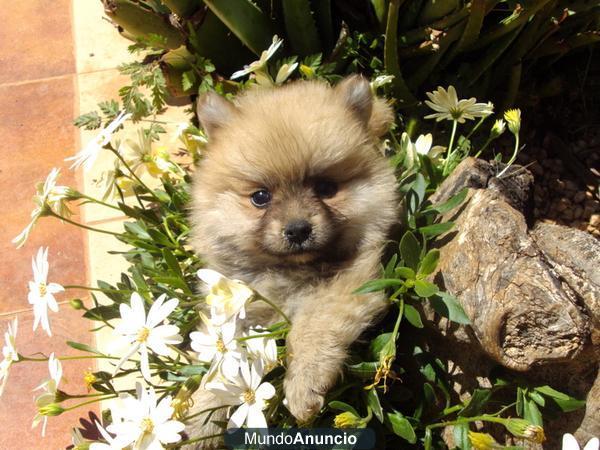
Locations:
(300, 27)
(246, 21)
(391, 62)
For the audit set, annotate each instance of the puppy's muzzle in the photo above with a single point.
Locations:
(297, 231)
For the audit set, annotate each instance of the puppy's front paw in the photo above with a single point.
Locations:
(303, 400)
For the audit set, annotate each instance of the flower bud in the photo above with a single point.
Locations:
(513, 118)
(53, 409)
(498, 128)
(61, 396)
(76, 303)
(349, 420)
(524, 429)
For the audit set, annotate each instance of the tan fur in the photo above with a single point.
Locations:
(283, 139)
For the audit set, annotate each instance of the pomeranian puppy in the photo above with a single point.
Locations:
(294, 198)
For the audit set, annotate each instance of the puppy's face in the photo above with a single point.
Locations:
(292, 175)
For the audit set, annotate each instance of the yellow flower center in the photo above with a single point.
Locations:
(147, 425)
(249, 396)
(89, 378)
(143, 334)
(220, 345)
(42, 288)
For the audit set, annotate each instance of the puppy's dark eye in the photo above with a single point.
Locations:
(261, 198)
(325, 188)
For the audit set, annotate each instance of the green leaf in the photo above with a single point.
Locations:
(252, 26)
(531, 412)
(137, 229)
(378, 285)
(413, 316)
(102, 312)
(300, 27)
(452, 202)
(374, 403)
(461, 436)
(188, 79)
(410, 250)
(565, 402)
(448, 306)
(83, 347)
(477, 402)
(364, 370)
(89, 121)
(401, 426)
(436, 229)
(388, 271)
(172, 262)
(192, 369)
(425, 289)
(341, 406)
(429, 262)
(405, 272)
(378, 344)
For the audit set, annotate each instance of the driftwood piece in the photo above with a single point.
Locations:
(532, 293)
(522, 315)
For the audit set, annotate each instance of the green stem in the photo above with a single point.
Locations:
(512, 158)
(66, 358)
(216, 408)
(449, 154)
(99, 399)
(275, 307)
(138, 179)
(87, 288)
(483, 148)
(100, 202)
(273, 334)
(77, 224)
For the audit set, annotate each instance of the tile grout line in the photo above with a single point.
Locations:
(56, 77)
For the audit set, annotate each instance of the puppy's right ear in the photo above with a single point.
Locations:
(213, 111)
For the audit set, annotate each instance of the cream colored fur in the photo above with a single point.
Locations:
(283, 139)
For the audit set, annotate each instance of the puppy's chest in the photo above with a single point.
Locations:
(288, 288)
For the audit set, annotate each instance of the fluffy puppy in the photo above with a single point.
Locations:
(294, 198)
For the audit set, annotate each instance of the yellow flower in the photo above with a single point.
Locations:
(483, 441)
(447, 106)
(513, 117)
(89, 378)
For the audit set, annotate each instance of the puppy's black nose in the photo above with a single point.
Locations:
(297, 231)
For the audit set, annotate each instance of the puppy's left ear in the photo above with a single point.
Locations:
(374, 112)
(214, 111)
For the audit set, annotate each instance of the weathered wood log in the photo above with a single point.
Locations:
(532, 294)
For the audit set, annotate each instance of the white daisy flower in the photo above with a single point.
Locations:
(449, 107)
(247, 391)
(258, 66)
(423, 146)
(50, 388)
(47, 195)
(217, 345)
(570, 443)
(88, 155)
(263, 349)
(284, 72)
(145, 333)
(9, 353)
(41, 293)
(226, 298)
(110, 444)
(144, 422)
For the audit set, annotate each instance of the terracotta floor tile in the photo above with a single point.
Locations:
(17, 408)
(35, 40)
(37, 134)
